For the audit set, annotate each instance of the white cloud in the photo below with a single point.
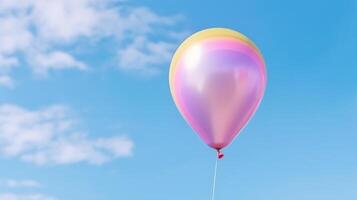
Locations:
(14, 34)
(15, 196)
(7, 62)
(21, 184)
(6, 81)
(144, 55)
(28, 183)
(54, 61)
(52, 135)
(66, 20)
(44, 33)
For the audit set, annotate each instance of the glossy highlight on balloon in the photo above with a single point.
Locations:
(217, 80)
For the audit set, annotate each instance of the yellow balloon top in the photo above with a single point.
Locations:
(207, 34)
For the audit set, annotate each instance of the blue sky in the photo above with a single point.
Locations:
(86, 111)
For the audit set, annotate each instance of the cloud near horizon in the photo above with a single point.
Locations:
(23, 183)
(17, 196)
(52, 135)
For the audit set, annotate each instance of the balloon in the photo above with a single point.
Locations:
(217, 80)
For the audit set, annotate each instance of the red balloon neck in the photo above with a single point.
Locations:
(220, 155)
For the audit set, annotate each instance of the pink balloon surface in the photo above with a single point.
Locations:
(217, 80)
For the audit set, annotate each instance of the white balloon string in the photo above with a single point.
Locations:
(214, 179)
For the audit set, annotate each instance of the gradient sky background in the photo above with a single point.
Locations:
(301, 144)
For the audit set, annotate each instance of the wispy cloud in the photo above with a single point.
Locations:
(6, 81)
(52, 135)
(16, 196)
(29, 184)
(145, 56)
(44, 33)
(26, 183)
(55, 60)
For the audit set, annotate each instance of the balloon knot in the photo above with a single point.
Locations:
(220, 155)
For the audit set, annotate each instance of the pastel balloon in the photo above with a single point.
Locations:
(217, 80)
